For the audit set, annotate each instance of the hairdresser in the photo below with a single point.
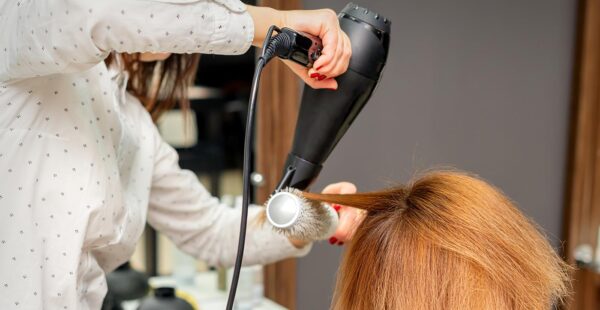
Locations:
(82, 166)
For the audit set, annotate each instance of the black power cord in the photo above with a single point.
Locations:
(268, 52)
(287, 44)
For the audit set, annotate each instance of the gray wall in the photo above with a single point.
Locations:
(483, 86)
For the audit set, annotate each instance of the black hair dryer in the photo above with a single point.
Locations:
(325, 115)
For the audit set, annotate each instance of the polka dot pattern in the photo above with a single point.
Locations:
(69, 36)
(82, 166)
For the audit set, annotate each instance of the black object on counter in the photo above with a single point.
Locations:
(125, 283)
(164, 298)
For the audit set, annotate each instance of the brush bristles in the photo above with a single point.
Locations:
(316, 220)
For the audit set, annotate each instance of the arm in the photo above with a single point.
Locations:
(61, 36)
(198, 224)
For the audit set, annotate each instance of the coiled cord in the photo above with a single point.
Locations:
(278, 45)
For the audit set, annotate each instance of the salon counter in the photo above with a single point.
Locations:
(207, 297)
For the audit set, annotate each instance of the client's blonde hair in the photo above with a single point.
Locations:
(446, 241)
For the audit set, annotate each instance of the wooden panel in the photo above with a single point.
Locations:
(583, 204)
(276, 118)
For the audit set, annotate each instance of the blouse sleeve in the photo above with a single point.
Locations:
(45, 37)
(198, 224)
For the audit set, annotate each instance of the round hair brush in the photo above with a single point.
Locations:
(294, 216)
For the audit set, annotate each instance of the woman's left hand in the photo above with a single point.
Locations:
(336, 52)
(350, 218)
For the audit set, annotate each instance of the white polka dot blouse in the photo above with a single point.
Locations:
(82, 166)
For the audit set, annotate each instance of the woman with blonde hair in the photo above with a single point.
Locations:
(448, 240)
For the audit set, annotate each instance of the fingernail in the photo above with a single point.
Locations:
(322, 77)
(341, 243)
(314, 75)
(337, 207)
(333, 240)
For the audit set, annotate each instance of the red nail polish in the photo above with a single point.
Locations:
(322, 77)
(337, 208)
(314, 75)
(333, 240)
(341, 243)
(331, 88)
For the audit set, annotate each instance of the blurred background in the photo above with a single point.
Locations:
(507, 90)
(483, 86)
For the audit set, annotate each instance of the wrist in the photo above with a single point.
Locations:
(263, 18)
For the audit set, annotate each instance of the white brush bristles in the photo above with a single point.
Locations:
(299, 218)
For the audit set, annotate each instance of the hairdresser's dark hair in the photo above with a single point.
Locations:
(448, 240)
(160, 85)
